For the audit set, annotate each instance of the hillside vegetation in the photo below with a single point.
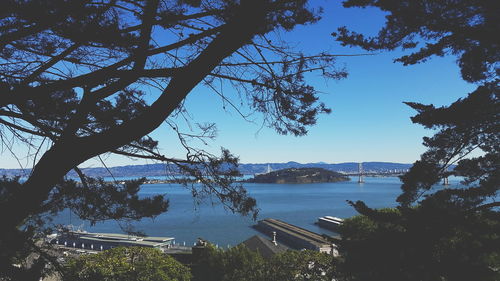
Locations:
(299, 175)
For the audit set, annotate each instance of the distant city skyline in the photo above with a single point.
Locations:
(369, 122)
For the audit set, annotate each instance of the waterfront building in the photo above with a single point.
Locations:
(267, 248)
(104, 241)
(296, 237)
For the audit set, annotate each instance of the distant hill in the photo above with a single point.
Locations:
(299, 175)
(246, 169)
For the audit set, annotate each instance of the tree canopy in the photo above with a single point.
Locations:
(438, 232)
(469, 126)
(420, 244)
(126, 263)
(236, 263)
(79, 79)
(466, 29)
(243, 264)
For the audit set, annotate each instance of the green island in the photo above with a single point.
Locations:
(299, 175)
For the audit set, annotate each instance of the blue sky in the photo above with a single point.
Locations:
(369, 122)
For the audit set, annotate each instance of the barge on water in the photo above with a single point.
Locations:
(329, 222)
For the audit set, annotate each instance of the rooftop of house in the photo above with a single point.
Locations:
(265, 247)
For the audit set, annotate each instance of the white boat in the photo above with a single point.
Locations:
(330, 222)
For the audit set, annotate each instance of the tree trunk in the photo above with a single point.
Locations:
(67, 154)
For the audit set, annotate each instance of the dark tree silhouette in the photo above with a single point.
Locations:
(75, 73)
(466, 29)
(439, 233)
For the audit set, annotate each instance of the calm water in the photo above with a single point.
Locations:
(299, 204)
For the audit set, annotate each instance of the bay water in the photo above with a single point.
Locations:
(298, 204)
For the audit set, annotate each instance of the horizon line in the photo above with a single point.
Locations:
(263, 163)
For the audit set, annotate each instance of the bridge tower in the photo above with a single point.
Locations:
(361, 178)
(445, 181)
(445, 178)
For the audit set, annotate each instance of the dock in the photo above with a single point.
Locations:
(295, 237)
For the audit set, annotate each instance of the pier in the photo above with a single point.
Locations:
(295, 237)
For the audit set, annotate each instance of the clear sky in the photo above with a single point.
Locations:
(369, 122)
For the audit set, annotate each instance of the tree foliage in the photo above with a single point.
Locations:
(421, 243)
(79, 79)
(466, 29)
(240, 263)
(127, 263)
(302, 265)
(438, 232)
(237, 263)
